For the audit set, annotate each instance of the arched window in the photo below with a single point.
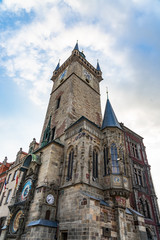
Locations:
(95, 163)
(142, 208)
(47, 216)
(70, 164)
(148, 215)
(106, 161)
(114, 158)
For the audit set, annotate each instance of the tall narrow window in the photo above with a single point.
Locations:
(2, 198)
(48, 213)
(142, 208)
(58, 102)
(15, 175)
(8, 196)
(135, 176)
(9, 177)
(134, 150)
(148, 215)
(140, 177)
(114, 157)
(70, 165)
(53, 133)
(95, 164)
(106, 161)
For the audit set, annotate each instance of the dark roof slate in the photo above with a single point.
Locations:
(110, 119)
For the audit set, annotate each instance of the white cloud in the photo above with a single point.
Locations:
(123, 35)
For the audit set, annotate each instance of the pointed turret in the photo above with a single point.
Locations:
(76, 47)
(98, 67)
(110, 119)
(58, 65)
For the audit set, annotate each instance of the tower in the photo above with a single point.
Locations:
(75, 93)
(76, 185)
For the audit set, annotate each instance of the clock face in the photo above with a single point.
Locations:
(26, 189)
(63, 75)
(15, 222)
(50, 199)
(116, 179)
(87, 75)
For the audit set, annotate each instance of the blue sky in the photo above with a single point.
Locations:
(124, 35)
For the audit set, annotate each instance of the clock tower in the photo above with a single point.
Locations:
(75, 93)
(76, 185)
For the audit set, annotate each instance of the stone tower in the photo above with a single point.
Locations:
(77, 184)
(75, 93)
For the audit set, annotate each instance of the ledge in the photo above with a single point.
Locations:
(43, 222)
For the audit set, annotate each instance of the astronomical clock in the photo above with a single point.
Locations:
(19, 207)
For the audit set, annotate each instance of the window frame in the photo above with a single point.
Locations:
(70, 164)
(8, 196)
(114, 159)
(95, 164)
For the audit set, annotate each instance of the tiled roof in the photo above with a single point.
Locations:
(110, 119)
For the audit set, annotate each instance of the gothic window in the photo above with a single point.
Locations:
(148, 215)
(47, 216)
(70, 164)
(106, 161)
(138, 177)
(95, 164)
(15, 175)
(114, 158)
(142, 207)
(58, 102)
(135, 176)
(135, 150)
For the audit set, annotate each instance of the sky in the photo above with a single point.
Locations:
(123, 35)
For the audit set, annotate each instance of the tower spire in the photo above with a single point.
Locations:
(58, 65)
(98, 67)
(76, 46)
(110, 119)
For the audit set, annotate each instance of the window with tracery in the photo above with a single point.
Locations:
(138, 176)
(70, 165)
(114, 158)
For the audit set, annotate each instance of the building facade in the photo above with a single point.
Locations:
(80, 183)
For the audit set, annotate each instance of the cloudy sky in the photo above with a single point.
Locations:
(125, 37)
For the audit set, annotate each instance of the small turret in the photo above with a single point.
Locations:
(98, 67)
(58, 65)
(110, 119)
(76, 46)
